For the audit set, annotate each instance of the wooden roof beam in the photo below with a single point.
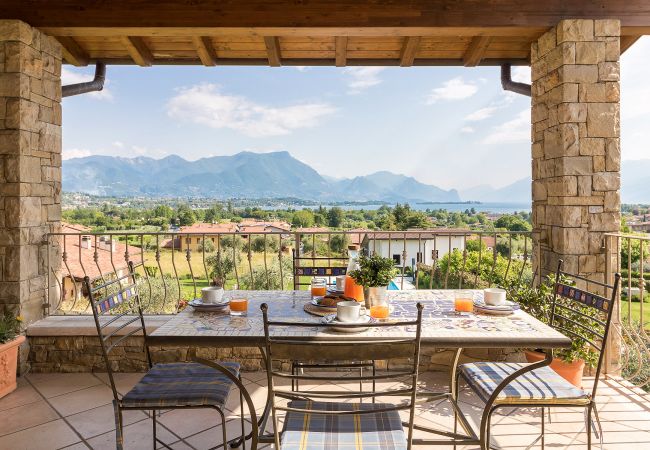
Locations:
(138, 50)
(409, 49)
(72, 51)
(273, 50)
(204, 49)
(628, 41)
(476, 50)
(341, 50)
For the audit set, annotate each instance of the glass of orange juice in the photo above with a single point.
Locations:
(378, 303)
(464, 302)
(318, 287)
(238, 306)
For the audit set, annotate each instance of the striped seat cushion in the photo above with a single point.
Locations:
(181, 384)
(542, 385)
(313, 431)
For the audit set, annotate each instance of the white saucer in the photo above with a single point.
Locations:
(500, 310)
(198, 304)
(331, 319)
(333, 290)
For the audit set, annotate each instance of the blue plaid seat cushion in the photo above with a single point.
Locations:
(313, 431)
(181, 384)
(541, 385)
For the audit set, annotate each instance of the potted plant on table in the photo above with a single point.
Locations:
(374, 274)
(10, 340)
(570, 362)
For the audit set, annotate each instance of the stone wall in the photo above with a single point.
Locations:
(83, 354)
(30, 164)
(576, 148)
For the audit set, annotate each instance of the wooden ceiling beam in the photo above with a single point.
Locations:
(341, 50)
(72, 51)
(138, 50)
(409, 49)
(204, 49)
(627, 42)
(476, 50)
(273, 50)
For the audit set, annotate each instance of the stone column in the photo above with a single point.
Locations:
(576, 149)
(30, 163)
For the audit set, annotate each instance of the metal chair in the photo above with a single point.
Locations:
(315, 419)
(184, 385)
(501, 384)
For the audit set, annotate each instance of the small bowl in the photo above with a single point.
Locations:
(494, 296)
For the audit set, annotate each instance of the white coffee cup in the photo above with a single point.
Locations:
(211, 294)
(494, 296)
(348, 311)
(340, 282)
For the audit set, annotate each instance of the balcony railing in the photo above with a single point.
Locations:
(173, 267)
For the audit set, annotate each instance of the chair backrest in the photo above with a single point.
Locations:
(280, 347)
(584, 316)
(317, 266)
(116, 305)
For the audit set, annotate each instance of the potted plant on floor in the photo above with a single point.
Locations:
(570, 362)
(374, 274)
(10, 340)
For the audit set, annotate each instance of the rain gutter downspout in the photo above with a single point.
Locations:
(514, 86)
(97, 84)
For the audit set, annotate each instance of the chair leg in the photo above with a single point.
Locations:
(485, 430)
(588, 426)
(223, 429)
(155, 438)
(119, 432)
(374, 383)
(599, 433)
(241, 416)
(455, 398)
(543, 431)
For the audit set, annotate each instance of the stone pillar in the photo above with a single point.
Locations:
(30, 163)
(576, 148)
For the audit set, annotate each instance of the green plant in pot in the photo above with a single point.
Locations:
(374, 274)
(537, 301)
(10, 340)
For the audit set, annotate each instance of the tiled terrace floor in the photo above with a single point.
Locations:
(73, 411)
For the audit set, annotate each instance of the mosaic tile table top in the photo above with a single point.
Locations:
(442, 327)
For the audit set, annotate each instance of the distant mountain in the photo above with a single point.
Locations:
(244, 175)
(517, 192)
(635, 181)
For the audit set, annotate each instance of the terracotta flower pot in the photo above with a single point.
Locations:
(8, 363)
(572, 372)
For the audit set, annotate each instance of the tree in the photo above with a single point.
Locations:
(163, 211)
(185, 215)
(303, 219)
(512, 223)
(335, 217)
(213, 213)
(206, 246)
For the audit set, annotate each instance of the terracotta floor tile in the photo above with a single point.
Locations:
(26, 416)
(23, 395)
(77, 446)
(124, 382)
(187, 422)
(136, 437)
(82, 400)
(101, 420)
(53, 384)
(211, 437)
(48, 436)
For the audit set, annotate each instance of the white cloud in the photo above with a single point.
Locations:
(70, 153)
(118, 144)
(73, 76)
(481, 114)
(454, 89)
(467, 130)
(515, 130)
(521, 74)
(361, 78)
(204, 104)
(301, 68)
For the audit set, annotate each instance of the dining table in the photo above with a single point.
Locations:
(442, 328)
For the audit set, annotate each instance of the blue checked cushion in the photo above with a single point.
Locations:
(313, 431)
(543, 385)
(181, 384)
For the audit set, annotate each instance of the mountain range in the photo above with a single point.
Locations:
(280, 175)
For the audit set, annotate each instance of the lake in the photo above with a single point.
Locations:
(492, 207)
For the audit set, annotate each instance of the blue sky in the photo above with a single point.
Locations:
(452, 127)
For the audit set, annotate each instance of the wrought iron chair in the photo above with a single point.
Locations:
(501, 384)
(184, 385)
(311, 421)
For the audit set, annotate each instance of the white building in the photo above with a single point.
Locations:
(412, 247)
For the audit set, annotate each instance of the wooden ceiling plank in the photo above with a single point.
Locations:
(72, 51)
(341, 49)
(627, 42)
(204, 49)
(476, 50)
(138, 50)
(273, 50)
(409, 49)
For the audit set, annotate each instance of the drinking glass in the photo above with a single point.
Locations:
(238, 306)
(318, 287)
(463, 302)
(378, 303)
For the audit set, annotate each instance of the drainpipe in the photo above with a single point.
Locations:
(97, 84)
(514, 86)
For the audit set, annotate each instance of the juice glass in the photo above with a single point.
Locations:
(378, 303)
(464, 302)
(238, 306)
(318, 287)
(379, 311)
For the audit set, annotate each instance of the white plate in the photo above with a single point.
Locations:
(332, 320)
(200, 306)
(333, 290)
(501, 310)
(314, 301)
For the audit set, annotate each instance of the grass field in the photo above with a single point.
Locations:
(636, 312)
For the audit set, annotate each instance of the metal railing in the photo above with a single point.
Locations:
(629, 254)
(173, 267)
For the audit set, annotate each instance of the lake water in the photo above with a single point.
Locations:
(503, 208)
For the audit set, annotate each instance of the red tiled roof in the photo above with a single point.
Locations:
(226, 227)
